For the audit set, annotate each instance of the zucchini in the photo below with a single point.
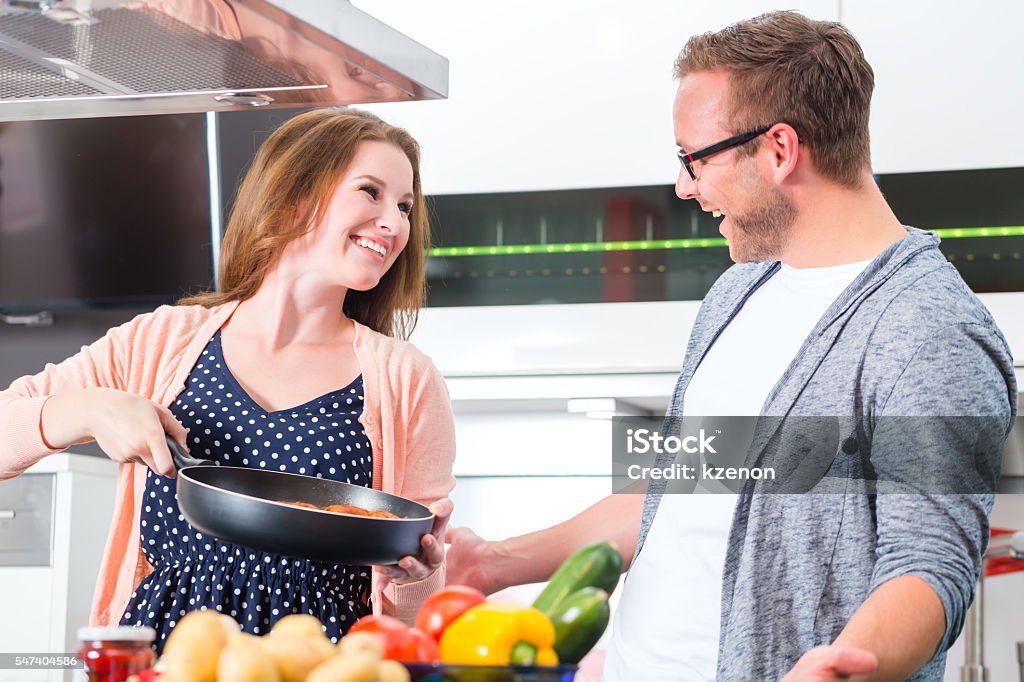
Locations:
(579, 622)
(596, 565)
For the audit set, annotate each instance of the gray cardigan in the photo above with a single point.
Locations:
(906, 338)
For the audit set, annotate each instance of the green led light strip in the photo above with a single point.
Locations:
(582, 247)
(663, 244)
(961, 232)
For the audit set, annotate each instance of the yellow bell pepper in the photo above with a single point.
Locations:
(487, 633)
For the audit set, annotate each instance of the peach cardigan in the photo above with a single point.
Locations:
(407, 418)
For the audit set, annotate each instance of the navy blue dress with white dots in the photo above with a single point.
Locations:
(193, 571)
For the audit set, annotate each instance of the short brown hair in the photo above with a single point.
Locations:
(293, 175)
(784, 67)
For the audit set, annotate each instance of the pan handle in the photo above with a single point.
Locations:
(181, 458)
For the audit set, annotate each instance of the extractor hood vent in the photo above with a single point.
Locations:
(67, 60)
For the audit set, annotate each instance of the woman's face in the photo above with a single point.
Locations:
(364, 224)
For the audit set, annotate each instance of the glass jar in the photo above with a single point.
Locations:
(116, 653)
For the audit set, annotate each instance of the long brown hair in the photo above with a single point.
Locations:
(292, 177)
(786, 68)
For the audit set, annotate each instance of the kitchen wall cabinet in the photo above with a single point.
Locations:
(553, 95)
(948, 91)
(578, 94)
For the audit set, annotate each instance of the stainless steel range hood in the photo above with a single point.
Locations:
(86, 58)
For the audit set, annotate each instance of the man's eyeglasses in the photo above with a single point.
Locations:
(688, 158)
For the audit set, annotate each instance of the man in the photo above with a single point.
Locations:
(833, 309)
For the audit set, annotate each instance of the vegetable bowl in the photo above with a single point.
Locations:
(445, 672)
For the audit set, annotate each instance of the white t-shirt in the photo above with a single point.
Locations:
(667, 623)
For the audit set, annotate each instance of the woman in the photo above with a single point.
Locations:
(291, 366)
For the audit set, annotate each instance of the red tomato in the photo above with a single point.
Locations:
(421, 648)
(393, 632)
(444, 606)
(401, 643)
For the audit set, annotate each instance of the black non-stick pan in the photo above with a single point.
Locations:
(249, 507)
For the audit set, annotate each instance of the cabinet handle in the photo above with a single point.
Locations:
(6, 514)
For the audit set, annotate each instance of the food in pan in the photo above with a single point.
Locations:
(359, 511)
(348, 509)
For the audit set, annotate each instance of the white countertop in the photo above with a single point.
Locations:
(72, 462)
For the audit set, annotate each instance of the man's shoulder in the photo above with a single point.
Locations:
(927, 294)
(926, 306)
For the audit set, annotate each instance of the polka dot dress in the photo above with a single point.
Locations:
(321, 438)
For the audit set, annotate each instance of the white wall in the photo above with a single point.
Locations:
(572, 94)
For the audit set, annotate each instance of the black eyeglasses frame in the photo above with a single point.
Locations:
(688, 158)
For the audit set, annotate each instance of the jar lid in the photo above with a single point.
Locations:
(117, 634)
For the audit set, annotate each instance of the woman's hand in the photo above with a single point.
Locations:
(127, 427)
(413, 568)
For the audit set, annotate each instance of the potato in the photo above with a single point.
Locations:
(359, 667)
(391, 671)
(194, 664)
(323, 646)
(298, 625)
(366, 642)
(194, 646)
(295, 657)
(231, 627)
(244, 660)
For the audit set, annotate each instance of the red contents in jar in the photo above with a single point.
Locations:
(115, 654)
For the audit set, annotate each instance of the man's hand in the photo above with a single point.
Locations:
(468, 560)
(828, 663)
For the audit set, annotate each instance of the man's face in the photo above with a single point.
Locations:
(757, 215)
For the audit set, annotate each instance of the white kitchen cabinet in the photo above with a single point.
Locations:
(578, 94)
(54, 521)
(553, 95)
(948, 88)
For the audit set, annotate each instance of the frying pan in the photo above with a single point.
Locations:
(247, 507)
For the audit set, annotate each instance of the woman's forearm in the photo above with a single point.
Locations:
(61, 423)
